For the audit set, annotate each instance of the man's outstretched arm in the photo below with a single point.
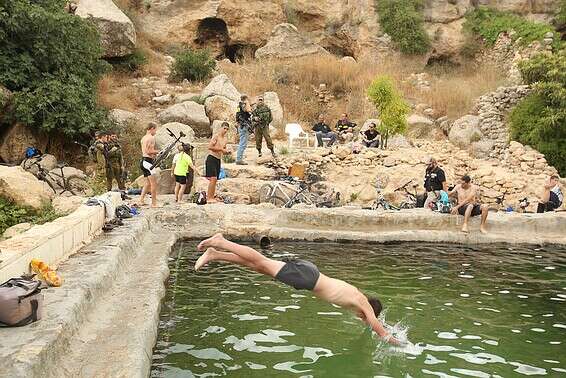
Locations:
(376, 326)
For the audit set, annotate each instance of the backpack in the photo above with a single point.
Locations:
(21, 302)
(32, 152)
(123, 212)
(199, 198)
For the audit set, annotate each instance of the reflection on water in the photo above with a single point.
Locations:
(494, 311)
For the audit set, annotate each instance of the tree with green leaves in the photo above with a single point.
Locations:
(403, 21)
(390, 105)
(539, 120)
(51, 61)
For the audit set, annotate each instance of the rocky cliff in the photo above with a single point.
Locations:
(232, 28)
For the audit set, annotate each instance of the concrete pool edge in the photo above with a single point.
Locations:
(128, 267)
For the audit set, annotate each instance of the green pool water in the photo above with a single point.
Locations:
(490, 311)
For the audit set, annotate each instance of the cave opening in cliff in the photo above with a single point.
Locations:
(212, 33)
(238, 52)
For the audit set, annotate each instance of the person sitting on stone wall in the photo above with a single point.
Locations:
(371, 136)
(345, 129)
(322, 130)
(468, 206)
(552, 197)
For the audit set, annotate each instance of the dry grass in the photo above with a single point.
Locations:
(452, 92)
(116, 92)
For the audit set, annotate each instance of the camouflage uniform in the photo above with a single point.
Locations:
(116, 164)
(262, 117)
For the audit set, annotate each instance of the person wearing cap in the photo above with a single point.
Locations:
(261, 118)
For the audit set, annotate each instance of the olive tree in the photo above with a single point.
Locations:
(390, 105)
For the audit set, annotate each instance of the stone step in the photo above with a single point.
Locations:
(88, 276)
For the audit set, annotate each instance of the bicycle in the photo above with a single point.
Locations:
(410, 201)
(290, 191)
(58, 182)
(164, 153)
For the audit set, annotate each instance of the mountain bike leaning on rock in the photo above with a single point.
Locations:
(380, 202)
(57, 181)
(290, 191)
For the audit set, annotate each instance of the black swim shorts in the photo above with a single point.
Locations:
(300, 274)
(145, 166)
(181, 179)
(475, 211)
(212, 167)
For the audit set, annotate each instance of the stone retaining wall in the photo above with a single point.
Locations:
(52, 242)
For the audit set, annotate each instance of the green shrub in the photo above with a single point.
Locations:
(130, 63)
(284, 150)
(404, 22)
(540, 119)
(50, 60)
(489, 23)
(390, 105)
(12, 214)
(193, 65)
(197, 99)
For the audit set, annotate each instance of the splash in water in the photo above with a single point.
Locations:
(399, 331)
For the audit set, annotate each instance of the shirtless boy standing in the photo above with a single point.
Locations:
(217, 148)
(467, 203)
(149, 152)
(301, 275)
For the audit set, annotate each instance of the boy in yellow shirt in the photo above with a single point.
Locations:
(181, 164)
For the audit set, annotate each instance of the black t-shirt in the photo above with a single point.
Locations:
(434, 179)
(321, 127)
(242, 116)
(371, 134)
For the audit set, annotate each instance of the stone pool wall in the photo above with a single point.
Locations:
(103, 320)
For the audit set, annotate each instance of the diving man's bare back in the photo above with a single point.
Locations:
(326, 288)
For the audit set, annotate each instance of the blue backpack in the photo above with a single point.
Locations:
(31, 152)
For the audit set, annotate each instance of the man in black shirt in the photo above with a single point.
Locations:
(345, 128)
(322, 130)
(370, 137)
(434, 182)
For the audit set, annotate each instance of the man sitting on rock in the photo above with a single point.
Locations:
(434, 182)
(552, 197)
(322, 130)
(345, 129)
(468, 205)
(370, 137)
(299, 274)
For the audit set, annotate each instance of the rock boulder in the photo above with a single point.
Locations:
(24, 188)
(117, 32)
(220, 108)
(286, 42)
(221, 86)
(465, 131)
(16, 139)
(189, 113)
(165, 183)
(162, 137)
(271, 99)
(121, 117)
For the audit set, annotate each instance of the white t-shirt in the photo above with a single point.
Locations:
(556, 190)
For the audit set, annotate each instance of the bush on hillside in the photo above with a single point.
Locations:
(130, 63)
(12, 214)
(404, 22)
(489, 23)
(193, 65)
(50, 60)
(540, 119)
(391, 107)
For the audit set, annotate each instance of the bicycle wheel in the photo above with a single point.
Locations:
(406, 205)
(265, 192)
(78, 186)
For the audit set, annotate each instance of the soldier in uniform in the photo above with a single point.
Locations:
(116, 158)
(261, 117)
(100, 146)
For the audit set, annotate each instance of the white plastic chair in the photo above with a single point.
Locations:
(295, 131)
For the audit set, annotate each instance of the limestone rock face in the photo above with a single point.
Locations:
(189, 113)
(117, 32)
(221, 86)
(16, 230)
(465, 130)
(23, 188)
(16, 139)
(162, 137)
(121, 117)
(482, 148)
(165, 182)
(220, 108)
(442, 11)
(271, 99)
(287, 42)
